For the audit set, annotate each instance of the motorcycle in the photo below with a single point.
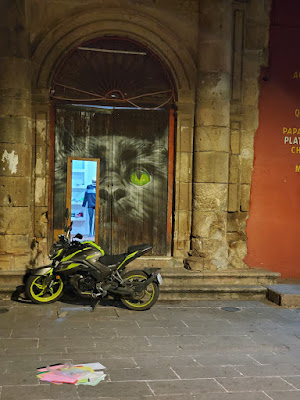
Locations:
(90, 272)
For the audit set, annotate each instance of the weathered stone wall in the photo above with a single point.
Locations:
(211, 149)
(250, 53)
(214, 49)
(232, 46)
(15, 136)
(181, 16)
(154, 26)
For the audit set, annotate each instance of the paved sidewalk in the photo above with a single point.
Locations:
(190, 350)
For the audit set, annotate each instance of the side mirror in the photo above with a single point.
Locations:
(78, 236)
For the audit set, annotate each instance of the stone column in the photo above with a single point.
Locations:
(15, 136)
(212, 139)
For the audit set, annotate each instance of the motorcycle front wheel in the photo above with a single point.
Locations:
(40, 292)
(141, 300)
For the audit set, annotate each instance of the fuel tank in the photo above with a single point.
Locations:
(85, 258)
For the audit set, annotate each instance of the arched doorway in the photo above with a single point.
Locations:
(113, 101)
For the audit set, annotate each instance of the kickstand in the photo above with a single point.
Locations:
(95, 303)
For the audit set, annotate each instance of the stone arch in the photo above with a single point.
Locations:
(140, 27)
(162, 41)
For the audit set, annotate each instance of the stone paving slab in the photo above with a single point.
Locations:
(206, 372)
(116, 389)
(256, 383)
(233, 396)
(283, 370)
(294, 380)
(215, 359)
(141, 374)
(166, 361)
(183, 386)
(191, 350)
(284, 395)
(285, 295)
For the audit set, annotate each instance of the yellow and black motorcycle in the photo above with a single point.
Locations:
(91, 273)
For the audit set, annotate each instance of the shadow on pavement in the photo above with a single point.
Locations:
(69, 297)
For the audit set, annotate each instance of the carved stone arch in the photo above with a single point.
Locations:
(140, 27)
(164, 42)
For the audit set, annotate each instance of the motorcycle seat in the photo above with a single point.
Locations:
(139, 247)
(110, 260)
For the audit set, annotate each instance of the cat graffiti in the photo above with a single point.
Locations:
(133, 175)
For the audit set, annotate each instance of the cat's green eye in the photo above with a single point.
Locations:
(140, 178)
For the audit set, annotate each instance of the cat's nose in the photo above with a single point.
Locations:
(118, 193)
(104, 194)
(112, 193)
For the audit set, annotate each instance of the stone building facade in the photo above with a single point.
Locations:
(214, 50)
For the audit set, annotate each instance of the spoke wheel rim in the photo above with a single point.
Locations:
(42, 293)
(141, 302)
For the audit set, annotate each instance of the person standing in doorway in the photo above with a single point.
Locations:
(90, 200)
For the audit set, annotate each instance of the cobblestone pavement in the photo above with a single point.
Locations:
(189, 350)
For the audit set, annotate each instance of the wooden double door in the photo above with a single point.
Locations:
(135, 149)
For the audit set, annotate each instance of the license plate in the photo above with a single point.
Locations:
(159, 278)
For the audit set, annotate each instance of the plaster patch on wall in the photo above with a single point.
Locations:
(12, 160)
(247, 153)
(222, 87)
(39, 190)
(41, 129)
(39, 166)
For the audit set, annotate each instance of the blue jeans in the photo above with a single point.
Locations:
(91, 212)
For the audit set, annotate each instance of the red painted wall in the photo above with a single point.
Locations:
(273, 227)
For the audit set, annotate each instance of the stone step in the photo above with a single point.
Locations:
(9, 281)
(180, 283)
(156, 262)
(14, 277)
(232, 277)
(285, 295)
(214, 292)
(205, 292)
(6, 291)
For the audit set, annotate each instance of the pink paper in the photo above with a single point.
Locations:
(54, 377)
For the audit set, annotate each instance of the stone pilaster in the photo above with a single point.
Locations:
(212, 139)
(183, 177)
(41, 175)
(250, 52)
(15, 136)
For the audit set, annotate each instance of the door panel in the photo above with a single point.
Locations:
(132, 146)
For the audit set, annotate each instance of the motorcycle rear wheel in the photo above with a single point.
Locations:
(142, 300)
(38, 291)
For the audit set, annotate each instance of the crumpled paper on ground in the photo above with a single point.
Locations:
(79, 374)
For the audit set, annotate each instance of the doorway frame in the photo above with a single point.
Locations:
(170, 223)
(69, 189)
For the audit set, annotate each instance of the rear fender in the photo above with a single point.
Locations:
(152, 276)
(149, 271)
